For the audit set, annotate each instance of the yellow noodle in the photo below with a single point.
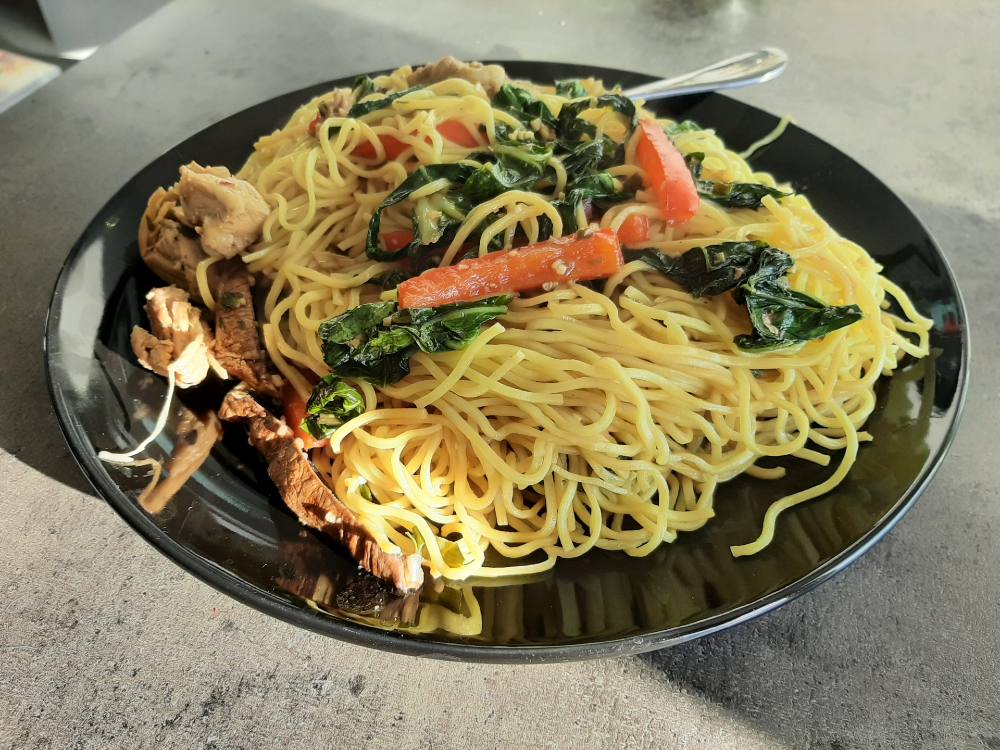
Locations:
(581, 420)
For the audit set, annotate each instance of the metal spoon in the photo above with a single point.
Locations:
(742, 70)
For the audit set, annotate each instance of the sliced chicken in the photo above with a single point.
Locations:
(227, 213)
(169, 248)
(179, 337)
(310, 498)
(337, 103)
(238, 347)
(490, 77)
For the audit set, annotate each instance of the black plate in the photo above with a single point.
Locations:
(228, 526)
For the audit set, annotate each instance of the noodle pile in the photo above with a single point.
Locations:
(581, 419)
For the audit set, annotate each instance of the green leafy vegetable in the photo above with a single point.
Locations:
(781, 316)
(456, 173)
(592, 156)
(709, 271)
(524, 106)
(363, 86)
(494, 178)
(337, 334)
(686, 126)
(756, 274)
(593, 191)
(360, 344)
(360, 109)
(332, 403)
(453, 326)
(571, 128)
(389, 280)
(571, 88)
(729, 194)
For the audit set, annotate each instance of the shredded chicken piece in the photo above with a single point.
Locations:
(228, 213)
(309, 497)
(490, 77)
(337, 103)
(170, 249)
(179, 336)
(238, 346)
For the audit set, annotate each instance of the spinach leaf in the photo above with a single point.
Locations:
(332, 403)
(360, 109)
(495, 178)
(456, 173)
(388, 370)
(336, 334)
(756, 274)
(685, 126)
(591, 156)
(781, 316)
(363, 86)
(381, 352)
(389, 280)
(571, 88)
(708, 271)
(453, 326)
(596, 191)
(729, 194)
(571, 128)
(530, 153)
(524, 106)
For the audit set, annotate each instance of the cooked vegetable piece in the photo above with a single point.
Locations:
(592, 156)
(685, 126)
(363, 86)
(596, 191)
(452, 130)
(573, 258)
(525, 107)
(380, 351)
(397, 240)
(729, 194)
(294, 411)
(332, 403)
(715, 269)
(391, 145)
(756, 274)
(634, 229)
(571, 88)
(571, 128)
(457, 133)
(782, 316)
(456, 173)
(666, 174)
(374, 105)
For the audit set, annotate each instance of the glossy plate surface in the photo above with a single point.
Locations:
(228, 526)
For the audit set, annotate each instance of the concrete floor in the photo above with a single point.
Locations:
(105, 644)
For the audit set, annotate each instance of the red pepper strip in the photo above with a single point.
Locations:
(666, 173)
(634, 230)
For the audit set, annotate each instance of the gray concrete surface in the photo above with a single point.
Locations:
(105, 644)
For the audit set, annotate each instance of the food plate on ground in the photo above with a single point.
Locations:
(499, 364)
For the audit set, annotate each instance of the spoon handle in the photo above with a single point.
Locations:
(742, 70)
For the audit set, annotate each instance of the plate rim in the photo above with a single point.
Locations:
(355, 633)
